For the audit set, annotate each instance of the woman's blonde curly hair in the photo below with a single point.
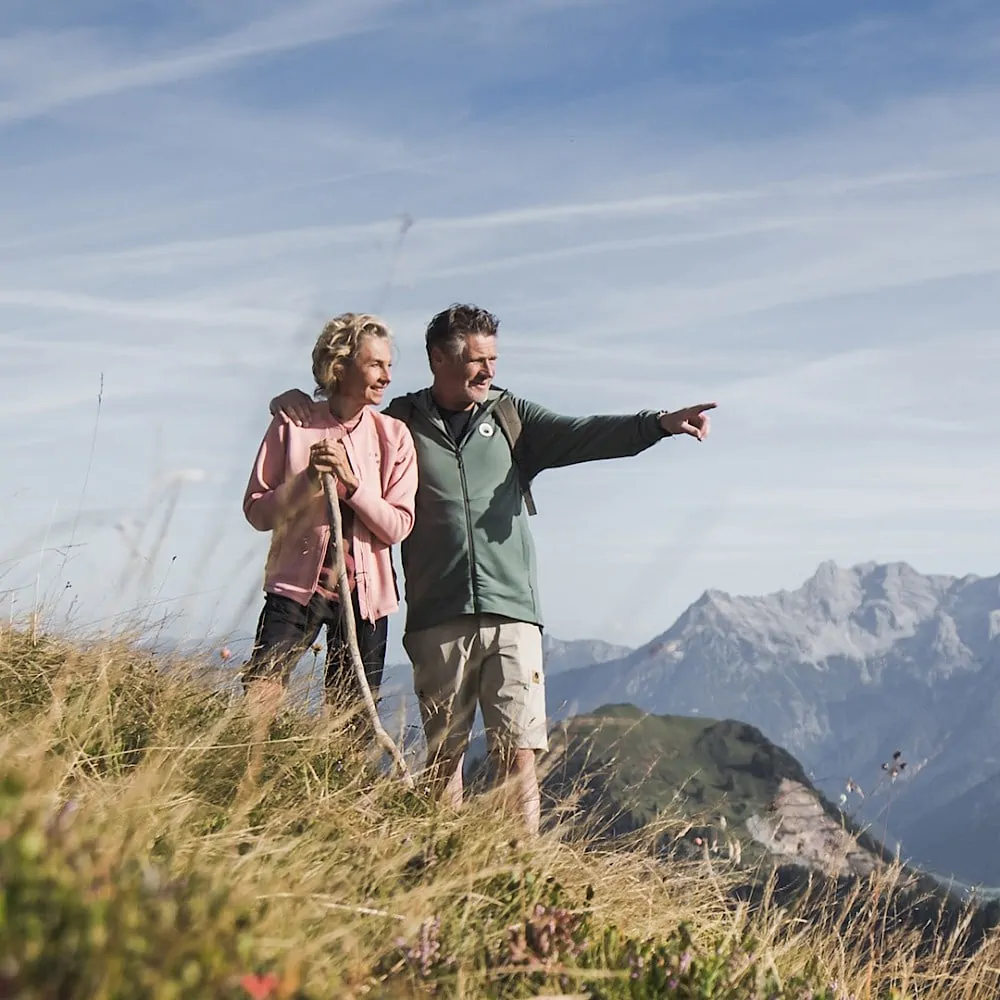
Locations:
(338, 345)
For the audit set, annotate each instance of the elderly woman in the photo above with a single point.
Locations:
(372, 460)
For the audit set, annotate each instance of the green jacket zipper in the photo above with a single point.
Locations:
(457, 446)
(468, 528)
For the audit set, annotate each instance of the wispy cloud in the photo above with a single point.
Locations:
(202, 314)
(291, 27)
(677, 205)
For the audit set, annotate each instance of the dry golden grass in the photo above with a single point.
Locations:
(339, 883)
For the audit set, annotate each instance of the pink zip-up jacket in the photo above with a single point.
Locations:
(280, 498)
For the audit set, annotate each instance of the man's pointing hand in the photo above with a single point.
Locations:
(691, 420)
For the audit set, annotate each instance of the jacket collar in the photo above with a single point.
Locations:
(423, 401)
(322, 416)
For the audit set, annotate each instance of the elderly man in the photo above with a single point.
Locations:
(473, 620)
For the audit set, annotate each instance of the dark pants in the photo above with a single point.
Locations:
(286, 629)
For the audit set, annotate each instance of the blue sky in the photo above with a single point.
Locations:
(791, 208)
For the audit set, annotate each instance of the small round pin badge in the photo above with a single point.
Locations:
(486, 430)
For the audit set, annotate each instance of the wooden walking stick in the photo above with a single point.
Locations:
(351, 631)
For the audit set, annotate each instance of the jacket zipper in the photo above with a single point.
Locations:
(468, 528)
(465, 494)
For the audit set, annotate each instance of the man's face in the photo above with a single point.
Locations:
(462, 381)
(368, 376)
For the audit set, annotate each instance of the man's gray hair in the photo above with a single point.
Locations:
(449, 328)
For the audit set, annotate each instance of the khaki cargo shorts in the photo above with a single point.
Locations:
(487, 660)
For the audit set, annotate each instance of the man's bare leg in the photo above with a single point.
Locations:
(517, 770)
(451, 794)
(445, 784)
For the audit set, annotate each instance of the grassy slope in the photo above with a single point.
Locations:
(156, 841)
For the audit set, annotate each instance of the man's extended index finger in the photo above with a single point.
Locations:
(701, 407)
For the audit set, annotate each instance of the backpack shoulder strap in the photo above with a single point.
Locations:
(510, 424)
(401, 408)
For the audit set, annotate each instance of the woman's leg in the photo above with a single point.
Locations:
(285, 630)
(341, 684)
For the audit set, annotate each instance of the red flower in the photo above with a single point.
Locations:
(260, 987)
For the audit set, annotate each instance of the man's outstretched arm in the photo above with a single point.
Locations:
(550, 440)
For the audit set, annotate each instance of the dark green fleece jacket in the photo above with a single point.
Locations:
(470, 551)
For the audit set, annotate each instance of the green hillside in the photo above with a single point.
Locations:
(627, 768)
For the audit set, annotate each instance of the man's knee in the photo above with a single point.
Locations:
(514, 761)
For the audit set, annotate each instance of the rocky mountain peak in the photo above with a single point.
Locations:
(837, 588)
(854, 612)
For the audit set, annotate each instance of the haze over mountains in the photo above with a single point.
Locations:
(844, 671)
(562, 655)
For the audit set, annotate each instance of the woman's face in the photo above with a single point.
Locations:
(366, 378)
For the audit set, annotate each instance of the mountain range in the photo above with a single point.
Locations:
(884, 682)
